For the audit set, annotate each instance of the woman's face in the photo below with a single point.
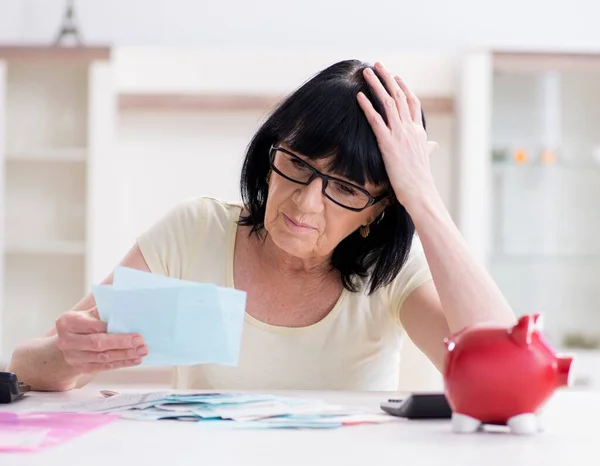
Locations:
(306, 224)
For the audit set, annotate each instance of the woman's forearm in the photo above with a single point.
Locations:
(467, 292)
(40, 364)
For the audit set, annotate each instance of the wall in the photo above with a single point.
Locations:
(427, 24)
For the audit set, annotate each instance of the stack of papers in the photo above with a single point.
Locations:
(235, 410)
(182, 322)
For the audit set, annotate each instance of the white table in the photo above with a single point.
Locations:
(570, 437)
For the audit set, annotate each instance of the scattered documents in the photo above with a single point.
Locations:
(246, 410)
(34, 431)
(109, 404)
(182, 322)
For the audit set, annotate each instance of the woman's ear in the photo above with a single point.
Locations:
(378, 212)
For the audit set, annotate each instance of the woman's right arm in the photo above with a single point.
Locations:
(78, 347)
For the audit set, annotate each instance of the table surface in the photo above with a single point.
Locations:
(570, 436)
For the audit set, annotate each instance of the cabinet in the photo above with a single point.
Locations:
(530, 184)
(52, 126)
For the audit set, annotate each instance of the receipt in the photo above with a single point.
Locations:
(114, 403)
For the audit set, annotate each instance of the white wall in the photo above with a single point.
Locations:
(167, 157)
(425, 24)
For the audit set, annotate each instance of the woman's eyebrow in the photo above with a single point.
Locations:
(326, 169)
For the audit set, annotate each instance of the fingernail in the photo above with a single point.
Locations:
(142, 350)
(137, 341)
(369, 71)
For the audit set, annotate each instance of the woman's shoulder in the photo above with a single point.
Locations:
(219, 207)
(189, 228)
(204, 209)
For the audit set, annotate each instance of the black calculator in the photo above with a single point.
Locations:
(10, 388)
(419, 406)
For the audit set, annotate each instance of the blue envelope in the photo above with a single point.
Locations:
(182, 322)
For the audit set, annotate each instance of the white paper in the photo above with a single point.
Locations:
(241, 408)
(153, 414)
(254, 411)
(182, 322)
(114, 403)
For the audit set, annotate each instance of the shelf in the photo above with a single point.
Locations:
(46, 106)
(69, 248)
(535, 61)
(197, 102)
(235, 102)
(588, 167)
(49, 155)
(45, 204)
(50, 52)
(55, 108)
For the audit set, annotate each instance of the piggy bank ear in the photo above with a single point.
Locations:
(523, 331)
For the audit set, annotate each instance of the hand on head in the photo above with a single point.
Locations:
(401, 136)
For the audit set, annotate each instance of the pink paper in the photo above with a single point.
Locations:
(33, 431)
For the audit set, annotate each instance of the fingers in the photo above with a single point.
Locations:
(389, 103)
(414, 104)
(93, 368)
(94, 313)
(395, 91)
(77, 358)
(99, 342)
(400, 103)
(375, 120)
(79, 322)
(86, 346)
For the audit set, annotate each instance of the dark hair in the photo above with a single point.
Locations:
(323, 119)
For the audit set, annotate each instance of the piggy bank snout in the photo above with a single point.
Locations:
(565, 371)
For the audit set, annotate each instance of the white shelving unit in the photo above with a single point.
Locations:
(48, 143)
(530, 185)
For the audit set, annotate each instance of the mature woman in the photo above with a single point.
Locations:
(335, 185)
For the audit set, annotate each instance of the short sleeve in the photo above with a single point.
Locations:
(413, 274)
(169, 246)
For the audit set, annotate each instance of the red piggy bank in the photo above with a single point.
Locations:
(502, 376)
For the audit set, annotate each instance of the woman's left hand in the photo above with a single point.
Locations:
(403, 140)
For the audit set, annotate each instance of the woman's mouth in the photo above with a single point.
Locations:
(297, 226)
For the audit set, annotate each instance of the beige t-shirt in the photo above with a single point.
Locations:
(355, 347)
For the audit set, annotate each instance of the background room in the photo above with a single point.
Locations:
(97, 142)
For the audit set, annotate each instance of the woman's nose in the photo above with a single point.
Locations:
(310, 197)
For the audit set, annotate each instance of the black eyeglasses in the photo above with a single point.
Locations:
(342, 193)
